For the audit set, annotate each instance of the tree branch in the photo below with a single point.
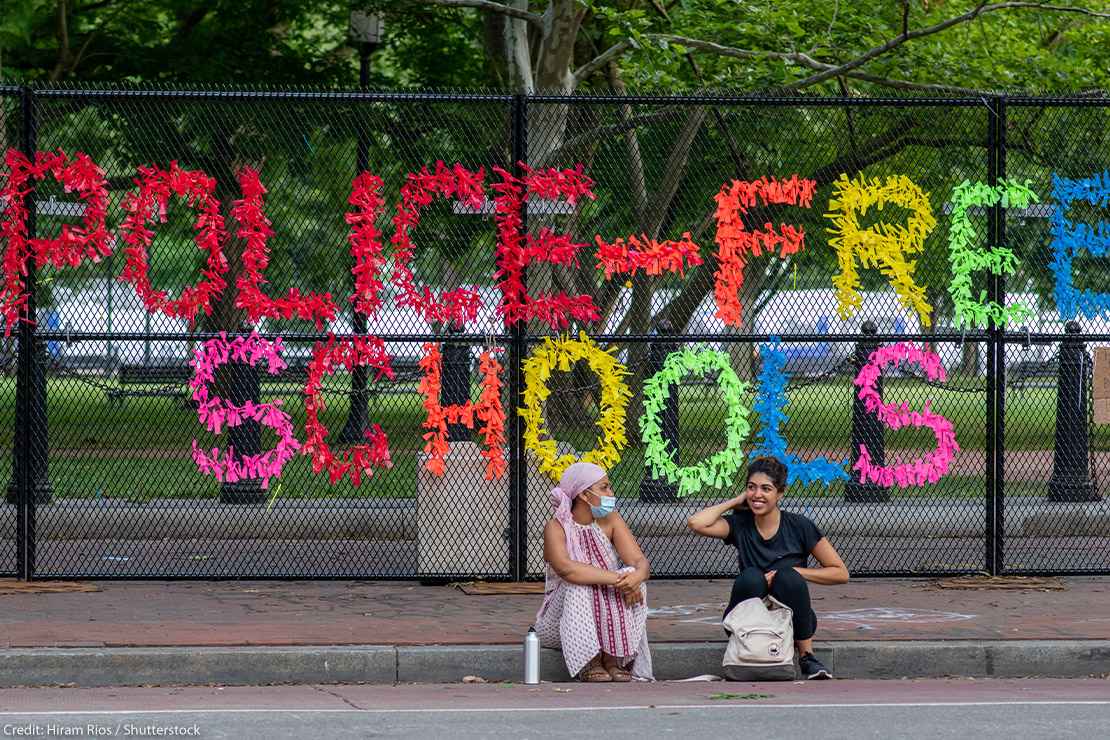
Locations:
(93, 6)
(806, 60)
(81, 53)
(491, 7)
(592, 135)
(63, 41)
(944, 25)
(598, 62)
(827, 71)
(731, 51)
(674, 170)
(899, 84)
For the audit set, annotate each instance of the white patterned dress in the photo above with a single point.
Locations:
(586, 620)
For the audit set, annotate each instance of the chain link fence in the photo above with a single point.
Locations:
(98, 424)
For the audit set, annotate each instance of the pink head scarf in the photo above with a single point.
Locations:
(575, 479)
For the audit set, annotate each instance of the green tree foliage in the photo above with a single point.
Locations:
(657, 167)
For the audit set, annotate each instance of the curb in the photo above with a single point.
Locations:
(388, 664)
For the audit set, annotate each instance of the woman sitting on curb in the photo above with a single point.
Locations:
(773, 547)
(593, 608)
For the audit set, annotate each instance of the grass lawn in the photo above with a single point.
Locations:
(139, 448)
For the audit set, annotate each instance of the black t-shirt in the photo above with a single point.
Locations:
(789, 548)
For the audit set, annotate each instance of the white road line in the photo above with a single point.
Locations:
(626, 707)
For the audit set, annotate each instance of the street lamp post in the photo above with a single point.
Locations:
(366, 31)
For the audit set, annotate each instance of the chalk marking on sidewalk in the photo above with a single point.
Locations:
(625, 707)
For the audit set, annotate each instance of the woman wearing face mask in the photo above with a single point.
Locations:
(774, 547)
(595, 601)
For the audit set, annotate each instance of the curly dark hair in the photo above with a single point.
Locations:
(772, 467)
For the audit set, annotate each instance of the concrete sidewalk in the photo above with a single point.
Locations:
(243, 632)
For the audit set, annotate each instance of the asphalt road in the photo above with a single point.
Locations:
(837, 709)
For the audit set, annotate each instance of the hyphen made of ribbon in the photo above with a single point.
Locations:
(488, 410)
(650, 255)
(719, 469)
(361, 459)
(255, 230)
(149, 203)
(935, 463)
(73, 244)
(885, 246)
(735, 242)
(216, 412)
(559, 356)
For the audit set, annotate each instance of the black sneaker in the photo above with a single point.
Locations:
(812, 668)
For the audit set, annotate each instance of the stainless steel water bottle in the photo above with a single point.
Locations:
(531, 657)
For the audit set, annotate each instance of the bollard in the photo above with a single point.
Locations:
(455, 384)
(30, 409)
(655, 489)
(866, 428)
(1071, 456)
(238, 383)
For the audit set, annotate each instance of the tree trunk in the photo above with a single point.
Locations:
(518, 54)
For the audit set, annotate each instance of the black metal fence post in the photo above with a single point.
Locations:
(996, 352)
(1071, 464)
(659, 489)
(866, 427)
(518, 348)
(30, 484)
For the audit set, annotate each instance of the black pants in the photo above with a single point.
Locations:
(788, 587)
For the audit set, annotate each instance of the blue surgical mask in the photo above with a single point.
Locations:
(608, 506)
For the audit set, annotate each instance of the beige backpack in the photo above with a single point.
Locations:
(761, 641)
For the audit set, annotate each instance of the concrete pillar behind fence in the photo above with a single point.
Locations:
(866, 428)
(455, 385)
(1071, 456)
(656, 489)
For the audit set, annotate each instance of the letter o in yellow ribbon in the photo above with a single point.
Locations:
(560, 355)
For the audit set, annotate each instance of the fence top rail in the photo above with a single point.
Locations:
(265, 95)
(705, 97)
(1094, 100)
